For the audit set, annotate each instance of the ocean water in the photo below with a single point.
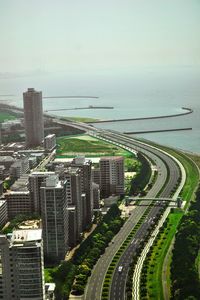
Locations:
(134, 93)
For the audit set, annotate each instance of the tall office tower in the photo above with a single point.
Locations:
(73, 177)
(85, 167)
(35, 181)
(54, 218)
(33, 117)
(21, 266)
(112, 175)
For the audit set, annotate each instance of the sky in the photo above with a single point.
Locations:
(66, 35)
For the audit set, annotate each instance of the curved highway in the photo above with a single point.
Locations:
(118, 286)
(95, 283)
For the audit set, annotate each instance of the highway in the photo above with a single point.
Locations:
(166, 181)
(117, 291)
(94, 287)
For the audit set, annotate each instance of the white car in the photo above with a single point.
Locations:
(120, 268)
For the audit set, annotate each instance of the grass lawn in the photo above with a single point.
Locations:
(160, 248)
(6, 116)
(88, 146)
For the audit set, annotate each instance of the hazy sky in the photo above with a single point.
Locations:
(53, 35)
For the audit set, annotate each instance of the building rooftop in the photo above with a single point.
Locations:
(2, 202)
(21, 184)
(71, 208)
(50, 287)
(50, 135)
(6, 158)
(42, 173)
(29, 235)
(111, 158)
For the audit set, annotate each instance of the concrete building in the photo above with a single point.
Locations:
(6, 161)
(1, 187)
(112, 175)
(2, 172)
(33, 118)
(96, 196)
(54, 218)
(96, 176)
(72, 229)
(19, 168)
(32, 162)
(85, 167)
(73, 185)
(3, 213)
(18, 202)
(35, 181)
(21, 184)
(50, 142)
(21, 266)
(49, 291)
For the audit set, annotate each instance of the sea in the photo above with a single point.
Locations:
(132, 92)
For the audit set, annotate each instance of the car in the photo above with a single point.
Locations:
(120, 268)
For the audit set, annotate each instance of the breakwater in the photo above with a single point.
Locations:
(53, 97)
(79, 108)
(186, 112)
(158, 130)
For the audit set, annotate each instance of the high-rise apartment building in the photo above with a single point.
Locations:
(73, 177)
(21, 266)
(50, 142)
(112, 175)
(33, 118)
(18, 203)
(35, 181)
(54, 218)
(85, 167)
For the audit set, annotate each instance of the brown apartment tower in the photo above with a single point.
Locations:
(33, 118)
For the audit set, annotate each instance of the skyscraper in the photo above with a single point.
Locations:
(33, 117)
(54, 218)
(21, 265)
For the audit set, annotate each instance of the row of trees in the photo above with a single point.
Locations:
(73, 274)
(142, 178)
(184, 273)
(90, 250)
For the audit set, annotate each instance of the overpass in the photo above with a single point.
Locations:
(156, 201)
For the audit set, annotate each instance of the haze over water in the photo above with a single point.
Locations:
(137, 93)
(141, 57)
